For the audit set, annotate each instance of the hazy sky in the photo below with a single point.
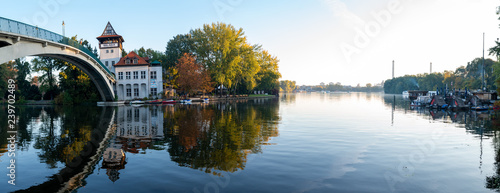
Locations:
(347, 41)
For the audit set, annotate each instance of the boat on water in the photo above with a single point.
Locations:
(481, 108)
(155, 102)
(136, 102)
(414, 94)
(421, 101)
(405, 94)
(186, 101)
(168, 102)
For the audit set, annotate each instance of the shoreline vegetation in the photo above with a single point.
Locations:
(200, 99)
(215, 59)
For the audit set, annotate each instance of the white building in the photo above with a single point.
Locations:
(136, 77)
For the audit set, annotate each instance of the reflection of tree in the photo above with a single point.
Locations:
(55, 143)
(219, 137)
(493, 182)
(288, 98)
(64, 133)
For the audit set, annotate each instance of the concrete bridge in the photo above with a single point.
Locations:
(18, 40)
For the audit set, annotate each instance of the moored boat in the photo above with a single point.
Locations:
(136, 102)
(168, 102)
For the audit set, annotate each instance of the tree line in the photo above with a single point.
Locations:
(464, 77)
(216, 55)
(221, 52)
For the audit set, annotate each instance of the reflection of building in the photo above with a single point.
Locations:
(137, 127)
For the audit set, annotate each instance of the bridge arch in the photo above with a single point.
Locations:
(18, 40)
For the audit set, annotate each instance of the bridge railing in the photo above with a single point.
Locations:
(8, 25)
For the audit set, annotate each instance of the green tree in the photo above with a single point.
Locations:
(48, 66)
(268, 75)
(6, 72)
(218, 47)
(288, 85)
(177, 47)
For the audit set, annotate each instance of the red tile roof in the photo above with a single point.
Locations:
(131, 56)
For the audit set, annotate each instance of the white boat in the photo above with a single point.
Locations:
(137, 102)
(406, 94)
(186, 101)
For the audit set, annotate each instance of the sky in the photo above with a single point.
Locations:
(347, 41)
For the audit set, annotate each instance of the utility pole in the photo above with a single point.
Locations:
(393, 69)
(431, 69)
(484, 88)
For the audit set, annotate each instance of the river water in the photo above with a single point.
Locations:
(308, 142)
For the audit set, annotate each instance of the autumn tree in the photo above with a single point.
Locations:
(192, 76)
(218, 49)
(229, 59)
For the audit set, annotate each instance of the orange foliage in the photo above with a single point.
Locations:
(192, 76)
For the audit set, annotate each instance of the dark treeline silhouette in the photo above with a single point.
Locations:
(469, 77)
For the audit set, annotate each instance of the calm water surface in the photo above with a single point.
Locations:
(333, 142)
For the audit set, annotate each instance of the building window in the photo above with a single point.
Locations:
(111, 51)
(136, 92)
(153, 91)
(153, 74)
(136, 75)
(112, 62)
(136, 61)
(107, 51)
(120, 75)
(129, 92)
(143, 74)
(136, 116)
(127, 75)
(127, 61)
(106, 63)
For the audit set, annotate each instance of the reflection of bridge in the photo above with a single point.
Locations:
(72, 176)
(18, 40)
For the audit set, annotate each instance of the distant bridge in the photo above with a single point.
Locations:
(18, 40)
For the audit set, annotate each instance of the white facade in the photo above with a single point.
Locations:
(132, 82)
(110, 56)
(137, 82)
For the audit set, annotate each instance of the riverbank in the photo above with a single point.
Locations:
(195, 99)
(31, 102)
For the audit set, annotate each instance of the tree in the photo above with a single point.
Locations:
(48, 66)
(192, 76)
(77, 86)
(177, 47)
(153, 55)
(288, 85)
(495, 50)
(268, 75)
(227, 56)
(218, 48)
(7, 72)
